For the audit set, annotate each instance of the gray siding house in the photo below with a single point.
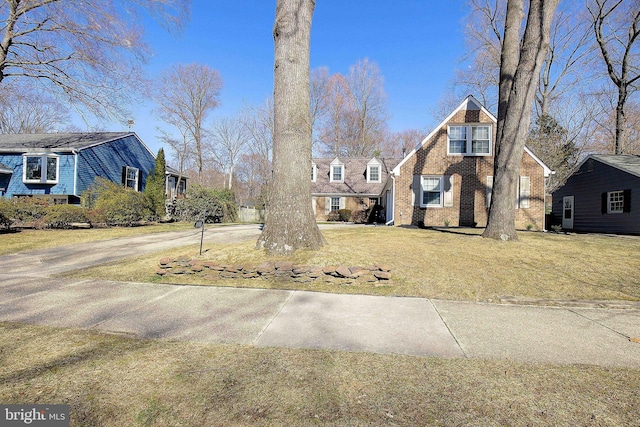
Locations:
(601, 195)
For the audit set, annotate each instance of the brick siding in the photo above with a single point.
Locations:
(469, 183)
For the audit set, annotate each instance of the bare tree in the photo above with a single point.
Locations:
(84, 52)
(335, 128)
(23, 111)
(616, 25)
(180, 148)
(186, 95)
(569, 45)
(370, 115)
(256, 164)
(290, 223)
(520, 63)
(398, 144)
(229, 138)
(354, 118)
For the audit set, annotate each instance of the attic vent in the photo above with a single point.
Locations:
(590, 165)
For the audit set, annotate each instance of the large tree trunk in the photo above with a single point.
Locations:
(519, 72)
(290, 223)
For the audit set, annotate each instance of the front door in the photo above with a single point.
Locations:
(567, 212)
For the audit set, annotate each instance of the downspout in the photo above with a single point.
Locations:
(75, 172)
(393, 199)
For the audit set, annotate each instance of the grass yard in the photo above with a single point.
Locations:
(454, 264)
(28, 240)
(111, 380)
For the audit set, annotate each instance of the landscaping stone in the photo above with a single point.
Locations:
(281, 271)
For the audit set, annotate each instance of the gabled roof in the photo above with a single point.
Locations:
(469, 103)
(355, 181)
(20, 143)
(625, 162)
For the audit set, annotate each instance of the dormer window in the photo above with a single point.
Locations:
(336, 173)
(314, 172)
(373, 171)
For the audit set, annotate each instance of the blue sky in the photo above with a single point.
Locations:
(418, 44)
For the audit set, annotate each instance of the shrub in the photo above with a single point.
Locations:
(216, 205)
(345, 215)
(62, 216)
(360, 216)
(333, 216)
(30, 209)
(7, 212)
(119, 205)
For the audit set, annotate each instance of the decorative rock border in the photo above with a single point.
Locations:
(378, 275)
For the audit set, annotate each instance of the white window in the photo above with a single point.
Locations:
(40, 168)
(336, 173)
(335, 204)
(471, 140)
(457, 139)
(314, 172)
(615, 202)
(431, 191)
(373, 173)
(131, 177)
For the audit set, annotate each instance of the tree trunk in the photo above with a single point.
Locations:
(290, 223)
(621, 121)
(519, 73)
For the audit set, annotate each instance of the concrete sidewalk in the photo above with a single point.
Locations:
(298, 319)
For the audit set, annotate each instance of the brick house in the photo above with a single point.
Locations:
(447, 178)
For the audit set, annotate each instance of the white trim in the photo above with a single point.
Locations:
(44, 157)
(314, 172)
(609, 201)
(374, 163)
(468, 151)
(469, 103)
(440, 179)
(547, 170)
(336, 162)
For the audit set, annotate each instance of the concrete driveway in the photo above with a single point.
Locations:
(298, 319)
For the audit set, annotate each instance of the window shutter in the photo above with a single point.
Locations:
(124, 176)
(626, 201)
(489, 190)
(139, 179)
(525, 191)
(342, 202)
(327, 205)
(448, 190)
(603, 204)
(416, 191)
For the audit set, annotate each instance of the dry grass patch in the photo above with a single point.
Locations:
(454, 264)
(28, 240)
(113, 381)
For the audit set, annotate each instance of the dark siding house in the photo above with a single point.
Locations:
(62, 166)
(601, 195)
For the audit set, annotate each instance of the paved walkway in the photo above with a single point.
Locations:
(298, 319)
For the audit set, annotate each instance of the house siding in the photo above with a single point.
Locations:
(106, 160)
(587, 184)
(469, 207)
(353, 203)
(15, 185)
